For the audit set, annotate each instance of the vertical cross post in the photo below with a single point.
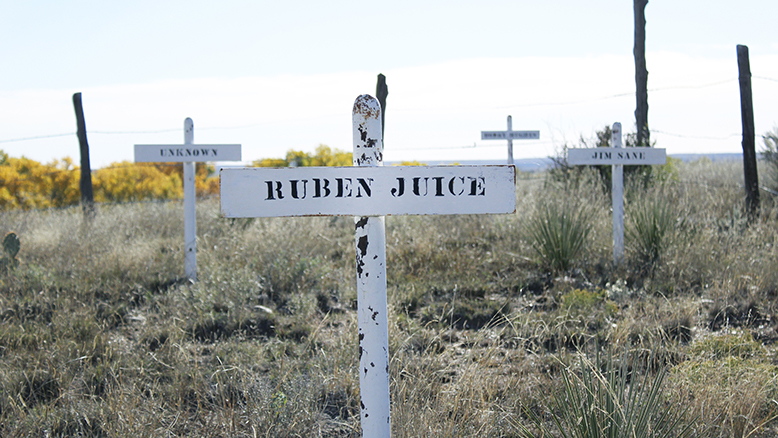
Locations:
(372, 317)
(617, 193)
(190, 226)
(510, 140)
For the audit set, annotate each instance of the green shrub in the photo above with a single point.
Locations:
(581, 301)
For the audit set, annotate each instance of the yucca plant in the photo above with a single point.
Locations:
(615, 403)
(650, 228)
(558, 234)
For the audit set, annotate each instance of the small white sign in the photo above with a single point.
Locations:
(367, 191)
(180, 153)
(615, 156)
(510, 135)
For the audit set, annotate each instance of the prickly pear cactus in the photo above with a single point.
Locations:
(11, 245)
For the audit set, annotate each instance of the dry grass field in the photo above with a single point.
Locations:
(492, 332)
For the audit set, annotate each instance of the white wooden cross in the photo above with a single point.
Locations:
(188, 154)
(368, 191)
(617, 156)
(510, 135)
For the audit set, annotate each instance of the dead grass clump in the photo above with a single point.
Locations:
(729, 385)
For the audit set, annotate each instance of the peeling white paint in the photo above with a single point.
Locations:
(370, 239)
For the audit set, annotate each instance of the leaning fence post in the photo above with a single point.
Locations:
(372, 317)
(87, 198)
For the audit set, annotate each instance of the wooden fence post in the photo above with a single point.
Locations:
(641, 74)
(749, 142)
(87, 197)
(381, 91)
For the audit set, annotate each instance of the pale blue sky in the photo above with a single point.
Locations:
(280, 75)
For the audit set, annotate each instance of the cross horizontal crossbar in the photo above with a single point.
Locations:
(367, 191)
(615, 156)
(179, 153)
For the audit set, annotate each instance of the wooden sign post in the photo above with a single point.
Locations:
(510, 135)
(368, 191)
(617, 156)
(188, 154)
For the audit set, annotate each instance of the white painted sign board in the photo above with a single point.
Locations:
(617, 157)
(150, 153)
(510, 135)
(612, 156)
(367, 191)
(188, 154)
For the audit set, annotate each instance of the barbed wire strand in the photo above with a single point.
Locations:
(594, 99)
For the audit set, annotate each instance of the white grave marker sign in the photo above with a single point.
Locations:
(510, 135)
(618, 157)
(188, 154)
(369, 192)
(364, 191)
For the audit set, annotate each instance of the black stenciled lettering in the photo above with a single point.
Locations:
(344, 188)
(400, 189)
(438, 185)
(188, 152)
(215, 153)
(321, 188)
(364, 184)
(451, 185)
(196, 152)
(271, 191)
(417, 186)
(620, 155)
(477, 186)
(295, 191)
